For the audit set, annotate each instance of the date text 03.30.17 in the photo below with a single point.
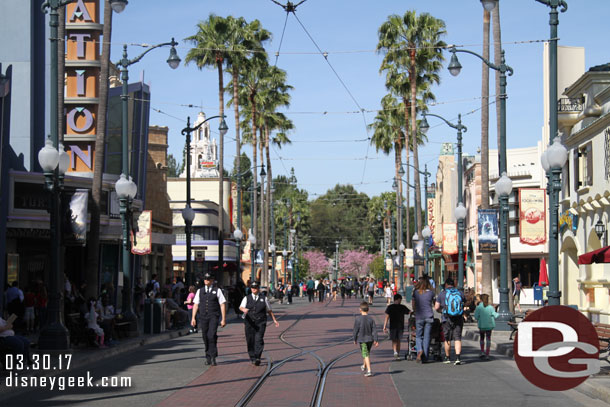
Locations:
(44, 362)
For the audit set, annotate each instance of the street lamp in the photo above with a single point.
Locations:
(55, 335)
(187, 133)
(459, 210)
(460, 215)
(272, 249)
(489, 5)
(252, 240)
(285, 261)
(504, 186)
(336, 260)
(426, 233)
(553, 160)
(263, 245)
(600, 229)
(188, 214)
(173, 61)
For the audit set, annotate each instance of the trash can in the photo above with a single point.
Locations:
(148, 316)
(158, 316)
(408, 293)
(538, 298)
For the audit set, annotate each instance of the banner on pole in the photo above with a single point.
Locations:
(418, 252)
(141, 237)
(76, 218)
(488, 230)
(450, 238)
(532, 216)
(432, 219)
(408, 257)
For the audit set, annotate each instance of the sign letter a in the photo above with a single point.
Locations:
(80, 11)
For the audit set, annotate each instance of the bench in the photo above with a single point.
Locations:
(603, 334)
(78, 330)
(514, 325)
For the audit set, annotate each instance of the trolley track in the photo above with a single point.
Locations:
(323, 368)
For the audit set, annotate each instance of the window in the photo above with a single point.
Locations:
(583, 166)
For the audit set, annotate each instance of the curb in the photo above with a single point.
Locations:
(505, 349)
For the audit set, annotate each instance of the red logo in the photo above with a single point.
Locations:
(556, 348)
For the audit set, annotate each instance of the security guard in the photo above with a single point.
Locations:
(210, 302)
(255, 308)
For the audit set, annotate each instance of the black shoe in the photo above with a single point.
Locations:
(253, 362)
(257, 362)
(207, 362)
(214, 362)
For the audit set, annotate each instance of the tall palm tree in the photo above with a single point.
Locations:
(497, 35)
(246, 39)
(93, 244)
(413, 44)
(213, 46)
(486, 285)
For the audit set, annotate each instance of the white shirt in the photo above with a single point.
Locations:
(214, 290)
(256, 298)
(315, 286)
(8, 332)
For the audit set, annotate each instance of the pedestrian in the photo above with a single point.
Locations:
(388, 294)
(280, 292)
(517, 290)
(321, 290)
(342, 288)
(395, 314)
(371, 290)
(289, 293)
(92, 318)
(349, 286)
(209, 305)
(486, 315)
(255, 308)
(14, 343)
(423, 307)
(334, 288)
(365, 336)
(451, 302)
(189, 302)
(310, 287)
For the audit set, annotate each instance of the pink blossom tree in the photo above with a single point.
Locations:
(355, 263)
(318, 262)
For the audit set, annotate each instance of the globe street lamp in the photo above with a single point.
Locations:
(336, 260)
(426, 233)
(252, 240)
(285, 261)
(55, 335)
(504, 187)
(187, 133)
(460, 215)
(553, 160)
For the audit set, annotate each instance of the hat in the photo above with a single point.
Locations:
(207, 276)
(254, 285)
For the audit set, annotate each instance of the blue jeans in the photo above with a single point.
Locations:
(422, 335)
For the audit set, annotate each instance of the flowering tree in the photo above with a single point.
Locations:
(355, 262)
(318, 262)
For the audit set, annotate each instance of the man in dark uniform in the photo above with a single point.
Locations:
(210, 302)
(255, 308)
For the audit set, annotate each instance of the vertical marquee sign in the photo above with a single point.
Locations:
(83, 30)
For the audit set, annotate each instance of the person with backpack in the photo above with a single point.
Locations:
(450, 302)
(152, 287)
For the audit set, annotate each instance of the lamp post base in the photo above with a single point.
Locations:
(504, 315)
(54, 336)
(132, 329)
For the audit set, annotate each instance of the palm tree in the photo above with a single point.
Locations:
(246, 38)
(213, 46)
(413, 45)
(486, 285)
(93, 245)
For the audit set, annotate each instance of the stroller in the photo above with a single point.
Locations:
(436, 340)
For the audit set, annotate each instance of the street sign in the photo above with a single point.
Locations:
(199, 255)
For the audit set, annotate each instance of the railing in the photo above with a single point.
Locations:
(570, 104)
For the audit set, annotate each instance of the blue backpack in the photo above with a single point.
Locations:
(454, 306)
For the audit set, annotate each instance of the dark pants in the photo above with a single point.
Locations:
(209, 326)
(310, 294)
(320, 295)
(255, 334)
(289, 295)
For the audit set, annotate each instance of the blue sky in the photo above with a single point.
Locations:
(329, 140)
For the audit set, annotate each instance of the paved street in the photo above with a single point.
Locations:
(172, 373)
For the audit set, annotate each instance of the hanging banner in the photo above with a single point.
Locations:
(450, 238)
(432, 219)
(569, 220)
(141, 237)
(388, 264)
(532, 216)
(488, 231)
(75, 232)
(408, 257)
(259, 257)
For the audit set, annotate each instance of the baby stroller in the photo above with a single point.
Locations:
(411, 352)
(436, 341)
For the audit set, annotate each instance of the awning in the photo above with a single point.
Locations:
(596, 256)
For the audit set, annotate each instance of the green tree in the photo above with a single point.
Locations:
(378, 267)
(172, 166)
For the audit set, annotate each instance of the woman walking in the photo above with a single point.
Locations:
(423, 307)
(486, 315)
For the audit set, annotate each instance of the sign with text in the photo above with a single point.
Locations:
(141, 237)
(450, 238)
(488, 230)
(532, 216)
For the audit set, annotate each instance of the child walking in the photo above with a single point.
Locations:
(486, 315)
(365, 336)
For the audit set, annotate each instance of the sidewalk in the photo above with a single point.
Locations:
(597, 386)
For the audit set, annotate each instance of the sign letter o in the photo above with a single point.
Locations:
(72, 119)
